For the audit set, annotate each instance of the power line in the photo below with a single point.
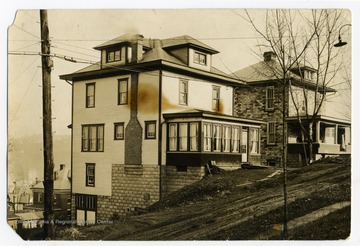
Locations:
(36, 58)
(27, 32)
(22, 100)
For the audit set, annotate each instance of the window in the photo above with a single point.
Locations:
(183, 136)
(199, 58)
(90, 174)
(183, 92)
(90, 95)
(113, 55)
(271, 133)
(194, 136)
(172, 136)
(254, 141)
(216, 98)
(207, 137)
(118, 131)
(235, 139)
(226, 138)
(150, 129)
(93, 138)
(217, 138)
(122, 91)
(269, 98)
(87, 202)
(40, 197)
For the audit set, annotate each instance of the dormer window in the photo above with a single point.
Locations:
(200, 58)
(113, 55)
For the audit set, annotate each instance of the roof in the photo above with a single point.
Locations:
(62, 182)
(157, 54)
(186, 40)
(323, 118)
(193, 113)
(265, 71)
(126, 38)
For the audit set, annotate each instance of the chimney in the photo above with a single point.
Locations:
(62, 166)
(137, 48)
(269, 55)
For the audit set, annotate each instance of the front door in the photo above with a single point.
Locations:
(244, 145)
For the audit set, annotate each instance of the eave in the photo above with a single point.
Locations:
(323, 118)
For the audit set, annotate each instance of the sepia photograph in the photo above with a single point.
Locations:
(180, 124)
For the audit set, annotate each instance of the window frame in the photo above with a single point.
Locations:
(183, 94)
(116, 125)
(269, 99)
(87, 175)
(197, 58)
(88, 139)
(147, 124)
(233, 139)
(175, 137)
(183, 135)
(113, 53)
(217, 140)
(256, 141)
(226, 141)
(87, 96)
(215, 100)
(272, 134)
(119, 101)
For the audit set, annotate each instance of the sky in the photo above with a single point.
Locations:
(74, 32)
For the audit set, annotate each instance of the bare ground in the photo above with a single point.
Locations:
(237, 206)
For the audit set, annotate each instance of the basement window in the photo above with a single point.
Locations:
(181, 169)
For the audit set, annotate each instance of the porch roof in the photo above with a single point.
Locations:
(197, 113)
(323, 118)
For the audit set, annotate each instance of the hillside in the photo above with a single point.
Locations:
(242, 205)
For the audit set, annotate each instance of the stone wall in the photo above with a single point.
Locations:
(174, 179)
(133, 187)
(250, 102)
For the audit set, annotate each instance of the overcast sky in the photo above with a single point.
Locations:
(74, 32)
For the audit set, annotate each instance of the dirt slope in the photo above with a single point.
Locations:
(232, 206)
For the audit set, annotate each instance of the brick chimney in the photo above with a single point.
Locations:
(269, 55)
(137, 48)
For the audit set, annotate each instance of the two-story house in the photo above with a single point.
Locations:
(262, 98)
(147, 119)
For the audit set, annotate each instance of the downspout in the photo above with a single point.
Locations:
(160, 134)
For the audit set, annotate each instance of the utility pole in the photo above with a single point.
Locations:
(46, 64)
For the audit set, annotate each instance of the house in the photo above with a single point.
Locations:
(147, 119)
(61, 191)
(262, 99)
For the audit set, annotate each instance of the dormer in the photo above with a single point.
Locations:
(190, 51)
(305, 72)
(128, 48)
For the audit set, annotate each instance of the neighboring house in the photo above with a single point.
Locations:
(61, 191)
(262, 99)
(147, 119)
(18, 197)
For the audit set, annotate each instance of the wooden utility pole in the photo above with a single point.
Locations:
(46, 64)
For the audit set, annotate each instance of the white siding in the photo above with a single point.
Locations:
(299, 100)
(199, 95)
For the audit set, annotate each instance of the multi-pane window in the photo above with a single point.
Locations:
(269, 98)
(216, 98)
(199, 58)
(235, 139)
(271, 134)
(207, 137)
(87, 202)
(194, 136)
(150, 129)
(93, 138)
(90, 95)
(183, 136)
(90, 174)
(119, 131)
(183, 92)
(122, 91)
(217, 137)
(226, 138)
(113, 55)
(172, 136)
(254, 141)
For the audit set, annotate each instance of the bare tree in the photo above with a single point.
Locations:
(303, 39)
(300, 39)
